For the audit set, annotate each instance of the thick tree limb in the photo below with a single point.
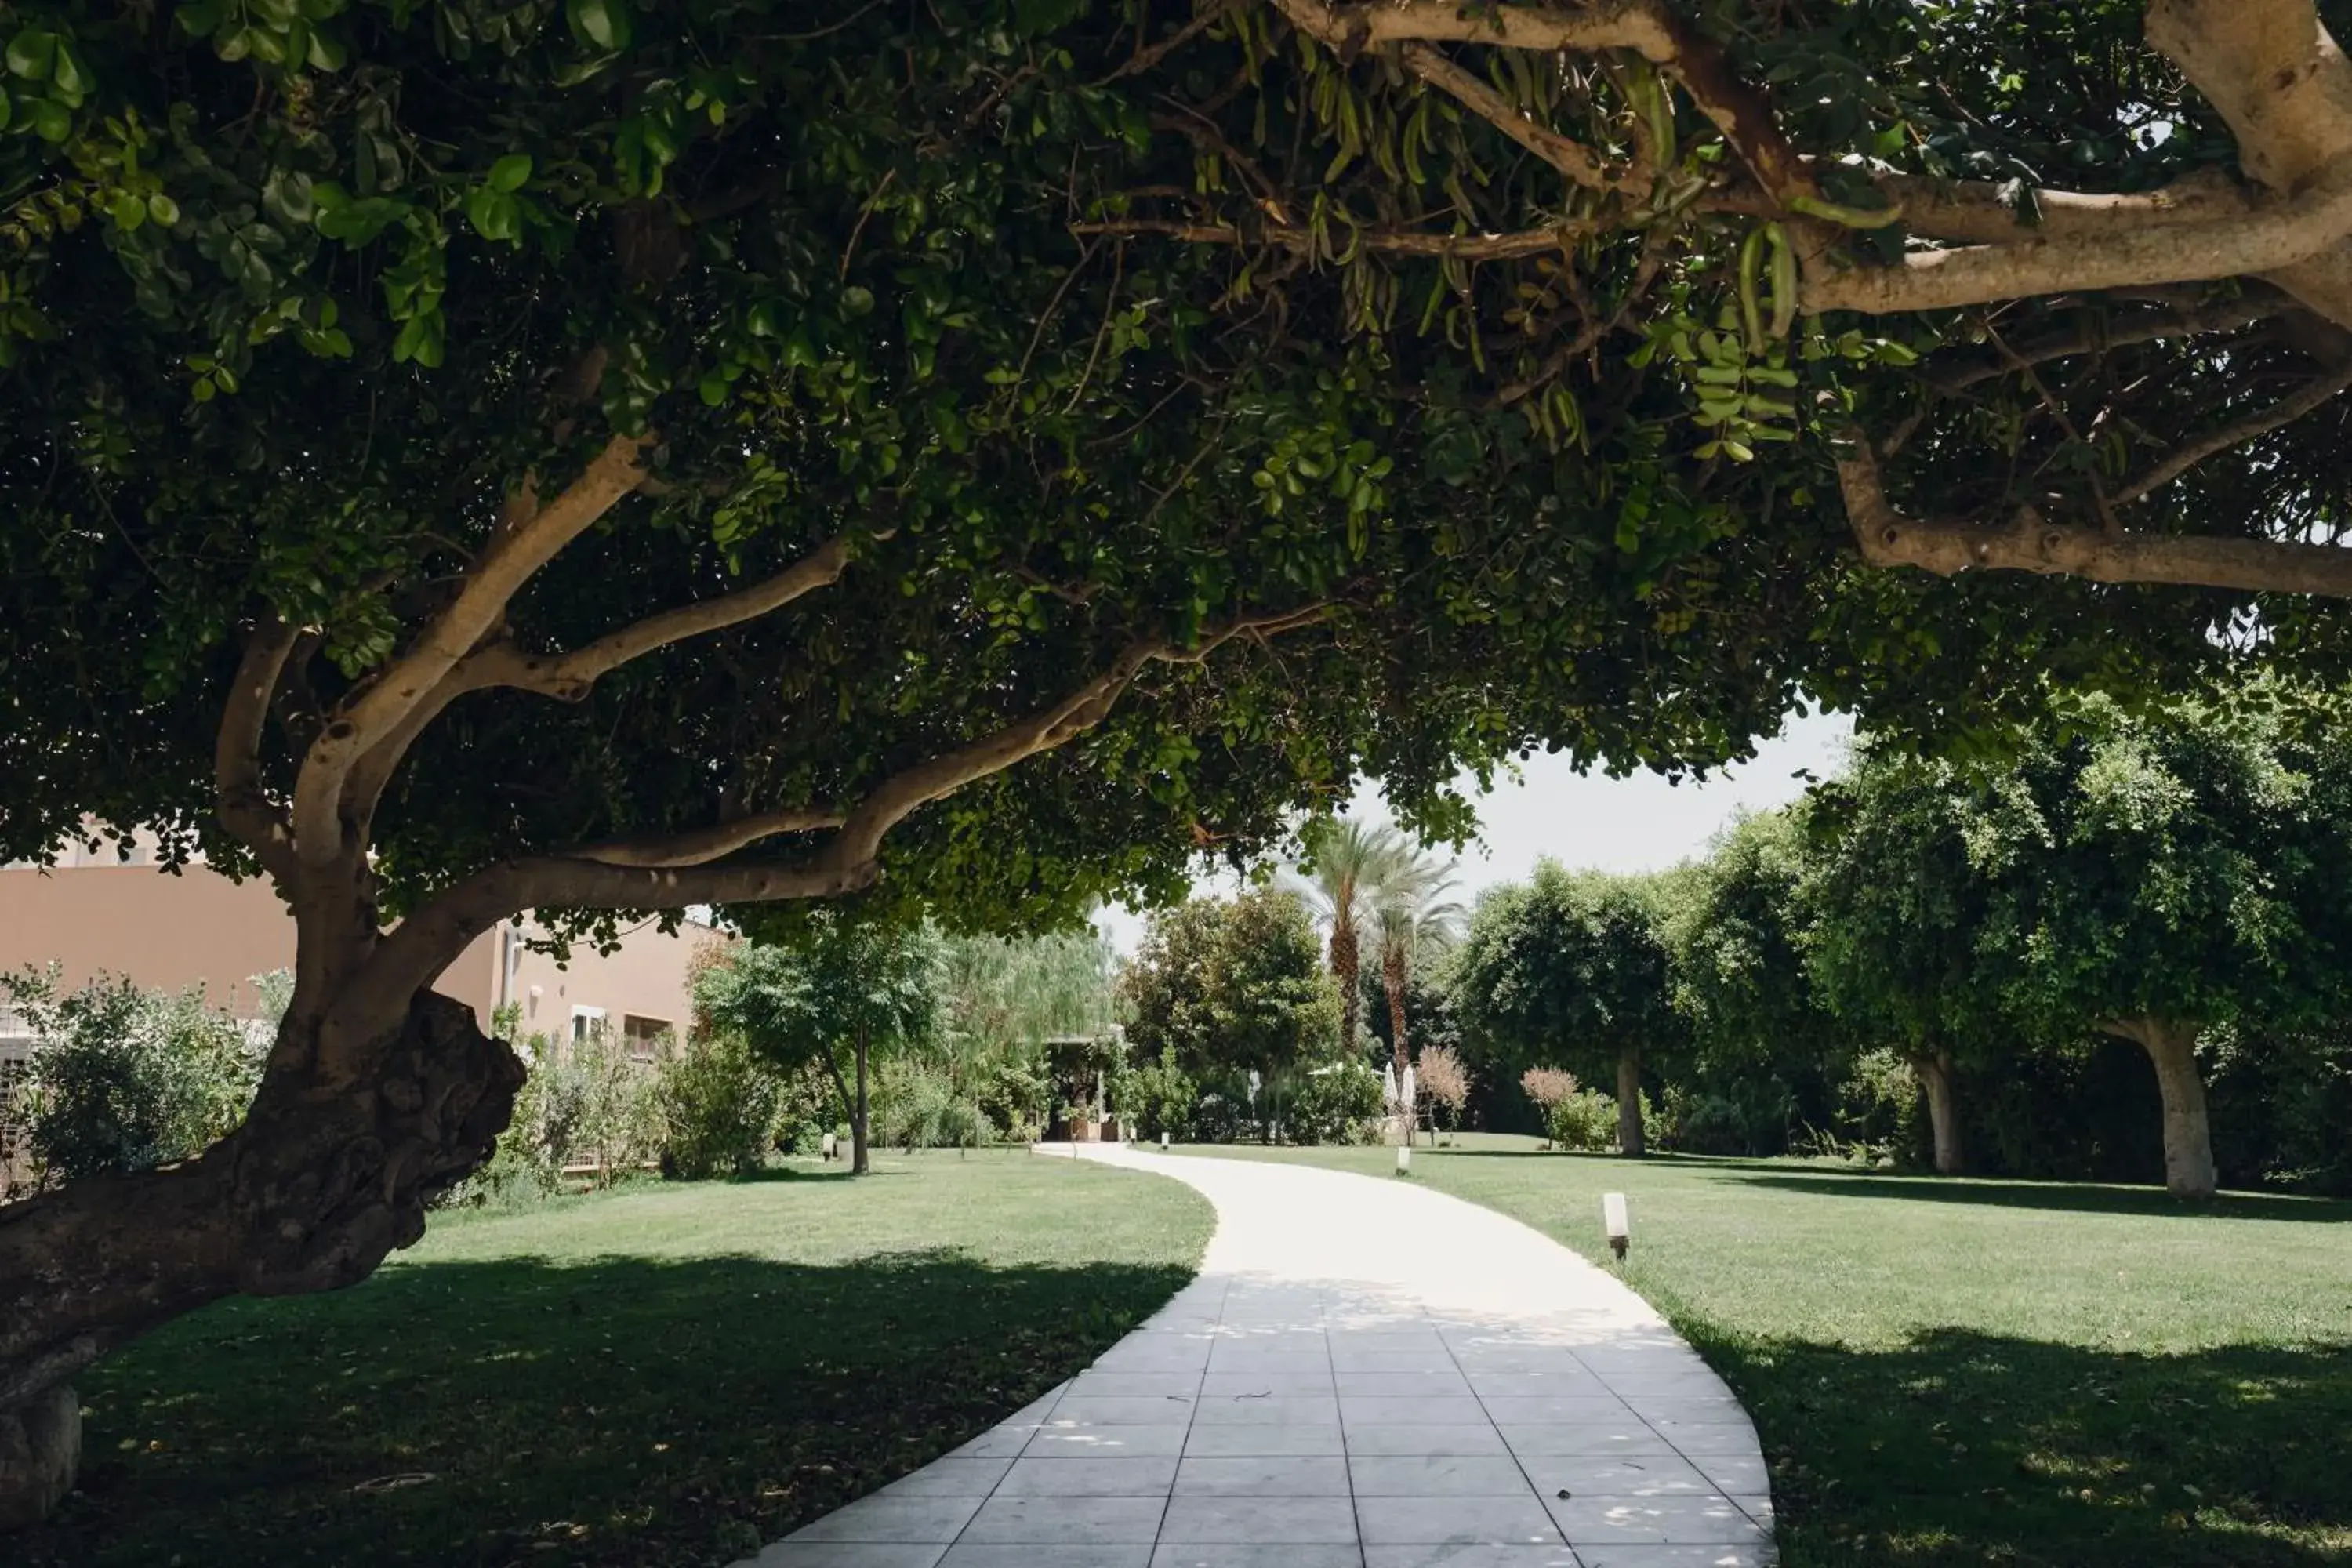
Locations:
(1465, 246)
(2288, 409)
(242, 807)
(2030, 544)
(2283, 232)
(570, 676)
(703, 846)
(526, 538)
(590, 878)
(1645, 26)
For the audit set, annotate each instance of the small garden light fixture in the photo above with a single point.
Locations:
(1405, 1160)
(1163, 1141)
(1612, 1220)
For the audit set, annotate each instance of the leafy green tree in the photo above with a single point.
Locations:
(2156, 875)
(1762, 1041)
(843, 985)
(1896, 916)
(1568, 970)
(1223, 989)
(609, 460)
(459, 460)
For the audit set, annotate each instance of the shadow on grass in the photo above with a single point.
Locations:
(2075, 1197)
(1971, 1448)
(623, 1411)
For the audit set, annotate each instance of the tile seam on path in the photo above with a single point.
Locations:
(1347, 1454)
(1517, 1463)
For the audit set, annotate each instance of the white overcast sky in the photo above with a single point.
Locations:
(1637, 823)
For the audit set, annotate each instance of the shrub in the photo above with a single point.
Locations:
(1159, 1096)
(126, 1079)
(919, 1105)
(717, 1105)
(1326, 1105)
(1586, 1119)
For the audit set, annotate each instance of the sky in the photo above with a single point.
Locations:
(1637, 823)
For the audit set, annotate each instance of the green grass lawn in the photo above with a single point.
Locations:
(663, 1375)
(1949, 1371)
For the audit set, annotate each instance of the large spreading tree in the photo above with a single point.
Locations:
(461, 456)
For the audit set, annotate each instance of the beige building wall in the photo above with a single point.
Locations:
(171, 931)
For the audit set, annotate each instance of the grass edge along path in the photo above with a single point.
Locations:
(664, 1375)
(1947, 1371)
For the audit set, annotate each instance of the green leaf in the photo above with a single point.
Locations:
(509, 172)
(857, 299)
(128, 212)
(601, 24)
(32, 53)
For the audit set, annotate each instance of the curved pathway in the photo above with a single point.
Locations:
(1365, 1374)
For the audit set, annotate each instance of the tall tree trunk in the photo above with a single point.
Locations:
(1631, 1139)
(858, 1165)
(2172, 1045)
(1347, 969)
(1934, 1071)
(1401, 1056)
(350, 1133)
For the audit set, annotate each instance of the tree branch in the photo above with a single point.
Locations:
(1645, 26)
(2030, 544)
(423, 945)
(2288, 409)
(527, 538)
(570, 676)
(243, 808)
(702, 845)
(1579, 163)
(1465, 246)
(2220, 316)
(2276, 234)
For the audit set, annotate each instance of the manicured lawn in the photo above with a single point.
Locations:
(664, 1375)
(1949, 1371)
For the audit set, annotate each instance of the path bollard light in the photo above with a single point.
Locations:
(1163, 1143)
(825, 1151)
(1612, 1220)
(1405, 1160)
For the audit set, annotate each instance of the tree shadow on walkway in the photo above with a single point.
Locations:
(1971, 1449)
(621, 1411)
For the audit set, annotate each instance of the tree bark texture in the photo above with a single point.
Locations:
(1392, 982)
(1630, 1138)
(858, 1162)
(330, 1172)
(1934, 1071)
(1346, 967)
(2172, 1045)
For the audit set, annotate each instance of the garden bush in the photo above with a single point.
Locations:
(1583, 1120)
(125, 1079)
(1158, 1096)
(1328, 1105)
(717, 1106)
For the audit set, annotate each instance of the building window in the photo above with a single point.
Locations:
(644, 1035)
(585, 1021)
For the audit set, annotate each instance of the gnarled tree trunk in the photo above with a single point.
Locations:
(330, 1172)
(1934, 1071)
(1631, 1140)
(2172, 1045)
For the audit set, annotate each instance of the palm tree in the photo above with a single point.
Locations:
(1411, 912)
(1351, 864)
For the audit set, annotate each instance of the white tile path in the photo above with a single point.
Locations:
(1365, 1374)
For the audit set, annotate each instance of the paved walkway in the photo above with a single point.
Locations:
(1365, 1374)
